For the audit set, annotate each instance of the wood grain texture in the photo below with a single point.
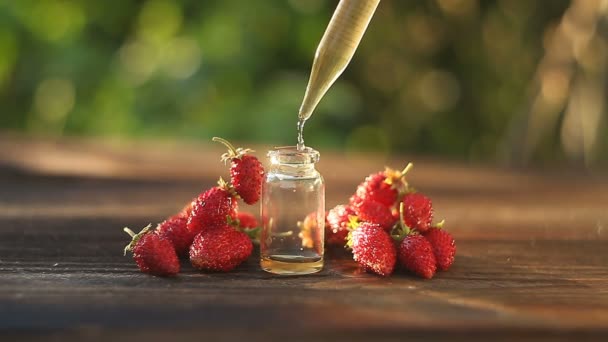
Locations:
(532, 258)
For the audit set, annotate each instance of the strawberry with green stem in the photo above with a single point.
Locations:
(212, 208)
(414, 251)
(246, 171)
(152, 253)
(247, 223)
(418, 211)
(336, 229)
(247, 220)
(444, 246)
(384, 187)
(372, 247)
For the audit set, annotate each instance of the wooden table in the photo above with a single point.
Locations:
(532, 257)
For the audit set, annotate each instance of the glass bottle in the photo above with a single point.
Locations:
(293, 213)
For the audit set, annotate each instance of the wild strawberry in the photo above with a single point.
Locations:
(248, 224)
(375, 212)
(212, 208)
(415, 253)
(382, 187)
(246, 172)
(175, 230)
(220, 249)
(152, 253)
(247, 220)
(444, 246)
(187, 209)
(337, 226)
(373, 248)
(418, 211)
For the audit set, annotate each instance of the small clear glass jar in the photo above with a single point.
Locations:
(293, 213)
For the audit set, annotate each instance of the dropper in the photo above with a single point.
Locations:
(337, 47)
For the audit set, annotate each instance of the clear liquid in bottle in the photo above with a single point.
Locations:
(293, 213)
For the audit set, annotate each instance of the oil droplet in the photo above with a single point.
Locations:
(301, 123)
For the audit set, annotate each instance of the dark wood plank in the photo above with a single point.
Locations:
(532, 262)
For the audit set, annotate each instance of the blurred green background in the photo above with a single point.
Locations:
(512, 81)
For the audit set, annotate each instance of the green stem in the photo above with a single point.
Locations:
(129, 231)
(408, 167)
(406, 229)
(135, 237)
(225, 143)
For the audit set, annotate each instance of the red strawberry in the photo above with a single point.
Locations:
(212, 208)
(152, 253)
(247, 220)
(444, 247)
(175, 230)
(337, 226)
(382, 187)
(248, 224)
(373, 248)
(418, 212)
(375, 212)
(220, 249)
(414, 251)
(187, 209)
(416, 254)
(246, 172)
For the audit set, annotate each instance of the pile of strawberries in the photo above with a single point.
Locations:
(210, 230)
(387, 222)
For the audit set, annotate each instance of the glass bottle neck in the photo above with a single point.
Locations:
(291, 162)
(295, 170)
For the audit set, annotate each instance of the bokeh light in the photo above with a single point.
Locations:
(8, 55)
(53, 101)
(500, 80)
